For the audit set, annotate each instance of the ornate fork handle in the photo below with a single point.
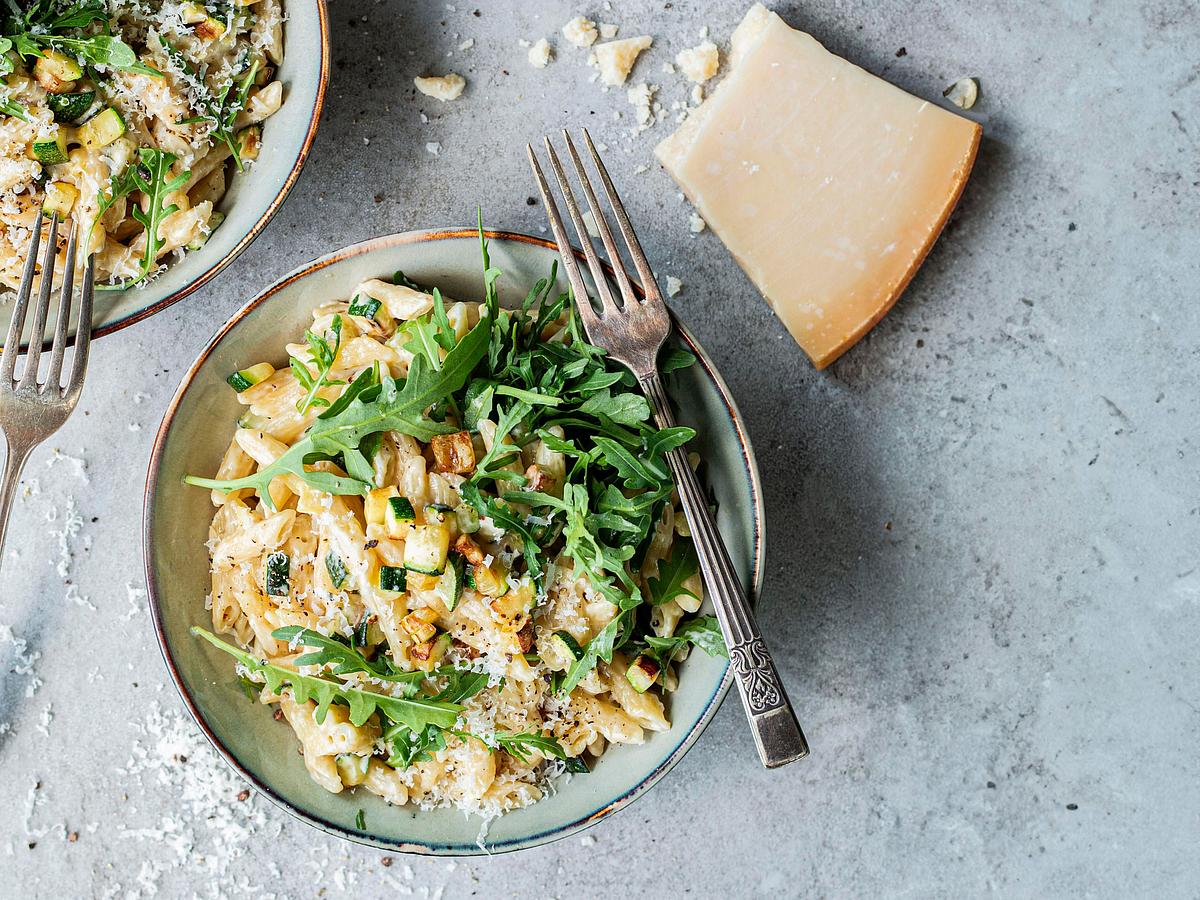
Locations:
(776, 731)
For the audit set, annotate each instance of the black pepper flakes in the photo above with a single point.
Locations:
(901, 52)
(386, 862)
(243, 795)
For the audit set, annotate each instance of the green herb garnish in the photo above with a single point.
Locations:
(322, 356)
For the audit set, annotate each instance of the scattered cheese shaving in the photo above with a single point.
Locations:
(444, 87)
(696, 224)
(674, 285)
(581, 32)
(615, 59)
(540, 54)
(699, 63)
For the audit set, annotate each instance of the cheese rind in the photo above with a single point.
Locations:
(827, 184)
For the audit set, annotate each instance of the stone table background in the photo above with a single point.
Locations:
(983, 582)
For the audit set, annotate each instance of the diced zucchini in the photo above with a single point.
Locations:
(101, 129)
(193, 13)
(69, 108)
(425, 549)
(336, 569)
(560, 651)
(364, 306)
(60, 198)
(249, 142)
(435, 513)
(56, 65)
(429, 653)
(244, 379)
(254, 421)
(201, 238)
(399, 516)
(450, 585)
(392, 579)
(210, 29)
(352, 769)
(418, 626)
(278, 569)
(491, 580)
(376, 506)
(467, 519)
(53, 151)
(419, 581)
(469, 577)
(642, 673)
(465, 545)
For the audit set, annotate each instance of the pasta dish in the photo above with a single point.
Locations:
(446, 546)
(126, 118)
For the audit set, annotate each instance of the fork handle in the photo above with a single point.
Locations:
(777, 733)
(14, 462)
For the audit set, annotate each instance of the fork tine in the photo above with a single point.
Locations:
(37, 332)
(607, 303)
(586, 313)
(54, 375)
(83, 329)
(12, 343)
(610, 246)
(649, 285)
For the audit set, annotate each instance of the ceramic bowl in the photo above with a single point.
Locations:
(194, 434)
(254, 196)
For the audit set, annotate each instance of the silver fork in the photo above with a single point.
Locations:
(32, 410)
(632, 332)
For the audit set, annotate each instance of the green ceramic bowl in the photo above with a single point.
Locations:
(253, 197)
(195, 432)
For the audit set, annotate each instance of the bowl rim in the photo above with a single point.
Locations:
(546, 836)
(268, 214)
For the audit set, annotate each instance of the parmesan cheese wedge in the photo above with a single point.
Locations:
(827, 184)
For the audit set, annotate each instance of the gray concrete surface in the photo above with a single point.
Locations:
(984, 589)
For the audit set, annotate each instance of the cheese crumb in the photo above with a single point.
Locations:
(540, 54)
(616, 58)
(608, 30)
(433, 147)
(445, 87)
(699, 63)
(696, 224)
(641, 96)
(581, 32)
(467, 44)
(674, 285)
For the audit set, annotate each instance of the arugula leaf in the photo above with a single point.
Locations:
(598, 648)
(624, 409)
(408, 746)
(519, 745)
(462, 685)
(14, 109)
(668, 439)
(323, 358)
(417, 714)
(634, 472)
(576, 766)
(673, 571)
(702, 631)
(151, 175)
(674, 360)
(343, 659)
